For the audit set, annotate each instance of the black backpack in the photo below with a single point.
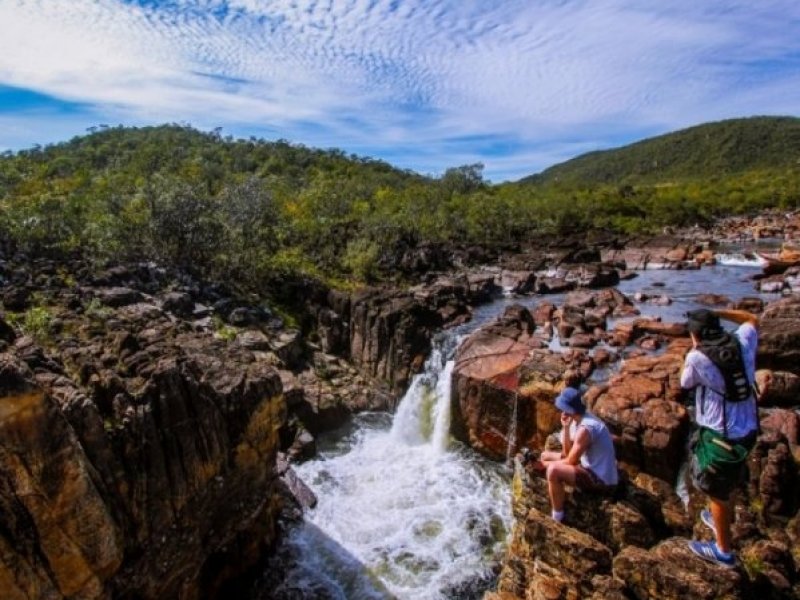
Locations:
(726, 354)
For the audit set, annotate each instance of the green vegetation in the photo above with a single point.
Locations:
(704, 152)
(34, 322)
(254, 211)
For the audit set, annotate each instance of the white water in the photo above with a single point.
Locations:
(740, 259)
(420, 513)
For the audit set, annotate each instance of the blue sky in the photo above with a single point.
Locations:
(424, 84)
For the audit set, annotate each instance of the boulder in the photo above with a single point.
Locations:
(786, 423)
(778, 388)
(779, 336)
(485, 380)
(711, 299)
(154, 479)
(518, 282)
(640, 406)
(179, 303)
(118, 296)
(670, 571)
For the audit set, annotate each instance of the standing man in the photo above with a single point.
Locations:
(587, 458)
(721, 369)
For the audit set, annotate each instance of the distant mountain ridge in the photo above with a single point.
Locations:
(708, 150)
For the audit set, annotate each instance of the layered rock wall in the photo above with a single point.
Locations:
(148, 473)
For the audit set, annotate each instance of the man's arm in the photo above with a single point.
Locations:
(566, 442)
(579, 446)
(737, 316)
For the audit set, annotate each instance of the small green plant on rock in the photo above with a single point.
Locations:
(222, 330)
(34, 322)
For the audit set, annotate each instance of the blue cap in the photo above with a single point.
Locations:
(569, 401)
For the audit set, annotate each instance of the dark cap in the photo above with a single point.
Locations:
(569, 401)
(703, 322)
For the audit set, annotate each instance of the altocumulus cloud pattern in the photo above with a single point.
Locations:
(424, 84)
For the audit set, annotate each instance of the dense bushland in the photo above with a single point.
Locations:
(251, 210)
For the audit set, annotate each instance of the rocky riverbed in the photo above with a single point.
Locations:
(149, 421)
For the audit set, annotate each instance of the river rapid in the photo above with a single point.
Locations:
(405, 511)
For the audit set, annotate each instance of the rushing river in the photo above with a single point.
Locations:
(405, 511)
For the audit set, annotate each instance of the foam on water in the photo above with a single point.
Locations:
(740, 259)
(421, 514)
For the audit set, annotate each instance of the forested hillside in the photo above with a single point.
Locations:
(709, 150)
(252, 210)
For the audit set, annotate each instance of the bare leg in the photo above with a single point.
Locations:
(722, 513)
(559, 474)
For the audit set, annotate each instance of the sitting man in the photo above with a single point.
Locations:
(587, 460)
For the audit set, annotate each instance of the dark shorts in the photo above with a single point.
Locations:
(721, 483)
(719, 486)
(587, 481)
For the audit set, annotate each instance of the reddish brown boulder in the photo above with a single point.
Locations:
(486, 378)
(640, 407)
(778, 388)
(543, 313)
(787, 424)
(779, 336)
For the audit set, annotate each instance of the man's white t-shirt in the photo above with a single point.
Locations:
(700, 373)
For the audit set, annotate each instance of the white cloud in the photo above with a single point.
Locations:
(382, 74)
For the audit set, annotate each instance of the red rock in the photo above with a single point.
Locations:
(779, 336)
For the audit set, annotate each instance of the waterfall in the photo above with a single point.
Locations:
(414, 420)
(441, 429)
(422, 515)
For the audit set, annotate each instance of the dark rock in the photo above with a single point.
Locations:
(179, 303)
(290, 348)
(7, 333)
(16, 299)
(553, 285)
(118, 296)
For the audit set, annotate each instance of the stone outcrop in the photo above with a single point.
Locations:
(633, 542)
(660, 252)
(486, 377)
(640, 405)
(779, 336)
(138, 435)
(387, 334)
(139, 477)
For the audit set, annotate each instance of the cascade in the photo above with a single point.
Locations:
(441, 428)
(418, 515)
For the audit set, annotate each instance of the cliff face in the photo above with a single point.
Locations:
(141, 418)
(137, 451)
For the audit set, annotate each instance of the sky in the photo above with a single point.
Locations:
(518, 85)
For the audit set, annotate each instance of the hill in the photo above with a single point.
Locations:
(710, 150)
